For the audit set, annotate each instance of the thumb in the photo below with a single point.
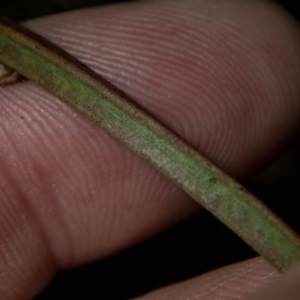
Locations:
(284, 288)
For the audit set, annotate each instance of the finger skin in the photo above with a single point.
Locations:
(223, 75)
(286, 287)
(228, 283)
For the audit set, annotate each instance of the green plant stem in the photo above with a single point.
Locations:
(47, 65)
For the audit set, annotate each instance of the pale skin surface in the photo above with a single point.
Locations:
(222, 74)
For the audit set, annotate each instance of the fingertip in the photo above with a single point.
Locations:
(286, 287)
(230, 282)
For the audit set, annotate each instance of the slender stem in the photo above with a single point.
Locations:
(64, 76)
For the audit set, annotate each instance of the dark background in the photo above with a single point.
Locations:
(194, 246)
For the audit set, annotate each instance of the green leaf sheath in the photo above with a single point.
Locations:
(64, 76)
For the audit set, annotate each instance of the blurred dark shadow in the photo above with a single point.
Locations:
(20, 10)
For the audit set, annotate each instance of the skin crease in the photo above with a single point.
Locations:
(222, 74)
